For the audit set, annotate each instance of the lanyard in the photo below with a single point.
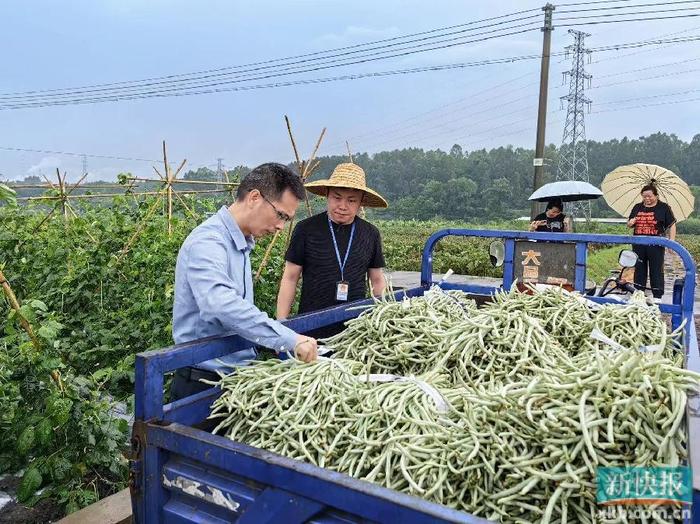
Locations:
(335, 245)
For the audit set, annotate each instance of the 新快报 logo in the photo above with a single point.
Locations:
(638, 485)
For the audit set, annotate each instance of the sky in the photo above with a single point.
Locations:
(53, 45)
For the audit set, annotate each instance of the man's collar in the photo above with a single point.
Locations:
(239, 240)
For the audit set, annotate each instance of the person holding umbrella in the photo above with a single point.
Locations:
(651, 217)
(553, 220)
(666, 200)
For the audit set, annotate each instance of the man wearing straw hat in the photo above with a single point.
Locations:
(334, 252)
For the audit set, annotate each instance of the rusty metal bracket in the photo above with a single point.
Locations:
(135, 456)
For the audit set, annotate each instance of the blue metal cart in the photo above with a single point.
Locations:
(181, 474)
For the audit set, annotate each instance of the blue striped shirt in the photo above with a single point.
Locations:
(214, 291)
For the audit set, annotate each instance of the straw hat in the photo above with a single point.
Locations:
(348, 176)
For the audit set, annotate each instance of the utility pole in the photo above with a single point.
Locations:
(542, 112)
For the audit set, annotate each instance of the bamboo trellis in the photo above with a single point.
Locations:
(168, 193)
(305, 169)
(24, 323)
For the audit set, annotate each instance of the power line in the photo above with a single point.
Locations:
(414, 120)
(609, 8)
(27, 150)
(652, 12)
(649, 50)
(649, 67)
(628, 20)
(384, 130)
(592, 3)
(423, 132)
(161, 93)
(186, 90)
(665, 75)
(670, 102)
(57, 93)
(663, 95)
(167, 93)
(293, 57)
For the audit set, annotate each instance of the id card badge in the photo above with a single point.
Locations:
(341, 291)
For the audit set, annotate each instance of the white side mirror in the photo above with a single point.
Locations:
(497, 253)
(628, 258)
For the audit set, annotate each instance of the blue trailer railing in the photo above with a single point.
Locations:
(683, 299)
(181, 474)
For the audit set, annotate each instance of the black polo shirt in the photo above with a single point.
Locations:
(312, 248)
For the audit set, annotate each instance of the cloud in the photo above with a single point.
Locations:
(46, 164)
(353, 33)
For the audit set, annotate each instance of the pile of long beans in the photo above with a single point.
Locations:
(402, 434)
(543, 438)
(508, 420)
(565, 316)
(496, 347)
(291, 409)
(401, 337)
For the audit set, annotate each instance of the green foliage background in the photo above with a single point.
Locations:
(94, 309)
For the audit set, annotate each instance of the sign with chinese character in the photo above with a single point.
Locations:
(544, 262)
(636, 485)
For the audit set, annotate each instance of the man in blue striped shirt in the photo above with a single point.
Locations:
(213, 277)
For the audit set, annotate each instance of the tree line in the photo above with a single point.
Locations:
(485, 184)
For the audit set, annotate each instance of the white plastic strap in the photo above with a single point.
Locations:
(601, 337)
(439, 401)
(598, 335)
(378, 377)
(447, 275)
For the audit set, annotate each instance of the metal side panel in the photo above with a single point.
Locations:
(209, 495)
(208, 478)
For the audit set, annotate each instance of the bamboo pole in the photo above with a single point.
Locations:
(15, 305)
(52, 186)
(62, 193)
(310, 167)
(168, 177)
(75, 215)
(266, 256)
(308, 171)
(185, 181)
(138, 231)
(305, 169)
(111, 195)
(49, 181)
(294, 145)
(177, 171)
(192, 213)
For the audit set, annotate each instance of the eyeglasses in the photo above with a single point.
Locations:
(280, 214)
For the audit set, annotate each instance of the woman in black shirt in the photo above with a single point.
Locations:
(651, 217)
(553, 220)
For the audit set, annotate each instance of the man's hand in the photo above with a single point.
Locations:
(631, 222)
(306, 348)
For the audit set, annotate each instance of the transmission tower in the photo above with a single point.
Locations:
(220, 172)
(573, 157)
(84, 164)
